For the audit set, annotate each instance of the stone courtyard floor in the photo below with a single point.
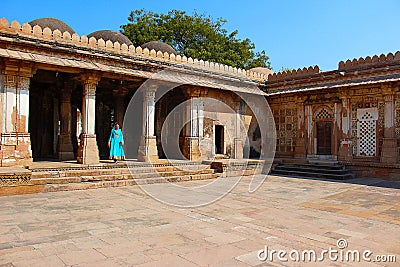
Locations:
(123, 226)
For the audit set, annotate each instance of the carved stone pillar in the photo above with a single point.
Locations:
(88, 152)
(64, 148)
(337, 121)
(389, 146)
(345, 152)
(309, 130)
(300, 147)
(194, 126)
(238, 145)
(15, 143)
(148, 143)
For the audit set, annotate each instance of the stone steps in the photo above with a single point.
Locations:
(75, 183)
(125, 175)
(108, 175)
(328, 171)
(65, 178)
(128, 182)
(122, 170)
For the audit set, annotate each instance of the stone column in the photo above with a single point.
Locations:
(148, 143)
(389, 146)
(238, 145)
(345, 152)
(309, 130)
(15, 143)
(119, 105)
(64, 148)
(194, 126)
(300, 147)
(88, 152)
(337, 121)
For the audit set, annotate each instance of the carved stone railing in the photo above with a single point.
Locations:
(65, 37)
(357, 63)
(292, 74)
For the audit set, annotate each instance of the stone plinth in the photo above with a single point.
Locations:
(148, 149)
(345, 152)
(300, 148)
(191, 148)
(64, 148)
(88, 153)
(15, 149)
(389, 151)
(238, 148)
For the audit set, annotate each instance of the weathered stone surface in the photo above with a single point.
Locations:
(88, 152)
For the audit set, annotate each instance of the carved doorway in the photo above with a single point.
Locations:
(324, 138)
(219, 139)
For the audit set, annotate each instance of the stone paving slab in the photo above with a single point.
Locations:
(125, 227)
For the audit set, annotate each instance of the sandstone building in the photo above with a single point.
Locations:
(60, 94)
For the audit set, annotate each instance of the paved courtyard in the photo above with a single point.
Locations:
(123, 226)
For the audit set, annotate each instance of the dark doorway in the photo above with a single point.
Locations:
(324, 138)
(219, 139)
(43, 121)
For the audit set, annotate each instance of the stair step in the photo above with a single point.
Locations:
(311, 169)
(313, 174)
(315, 166)
(117, 183)
(108, 177)
(118, 171)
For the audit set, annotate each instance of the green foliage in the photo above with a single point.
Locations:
(196, 36)
(285, 69)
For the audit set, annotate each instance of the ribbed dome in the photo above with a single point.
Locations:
(112, 36)
(159, 46)
(262, 70)
(53, 24)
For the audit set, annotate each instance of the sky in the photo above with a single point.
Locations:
(294, 34)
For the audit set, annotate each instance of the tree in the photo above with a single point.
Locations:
(197, 36)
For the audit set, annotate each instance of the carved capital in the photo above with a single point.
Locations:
(18, 68)
(387, 89)
(149, 94)
(388, 98)
(16, 82)
(17, 74)
(193, 91)
(90, 81)
(300, 99)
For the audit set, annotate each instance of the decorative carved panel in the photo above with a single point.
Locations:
(286, 127)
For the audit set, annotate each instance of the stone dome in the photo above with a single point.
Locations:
(159, 46)
(112, 36)
(262, 70)
(53, 24)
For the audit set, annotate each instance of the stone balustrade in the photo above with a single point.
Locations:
(47, 34)
(291, 74)
(360, 62)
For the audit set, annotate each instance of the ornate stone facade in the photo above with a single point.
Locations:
(59, 87)
(350, 114)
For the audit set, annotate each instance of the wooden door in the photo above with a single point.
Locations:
(324, 138)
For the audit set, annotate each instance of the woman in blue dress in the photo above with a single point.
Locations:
(115, 143)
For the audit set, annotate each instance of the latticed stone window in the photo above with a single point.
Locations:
(323, 114)
(397, 119)
(366, 132)
(286, 127)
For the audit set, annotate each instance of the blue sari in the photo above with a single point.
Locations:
(116, 142)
